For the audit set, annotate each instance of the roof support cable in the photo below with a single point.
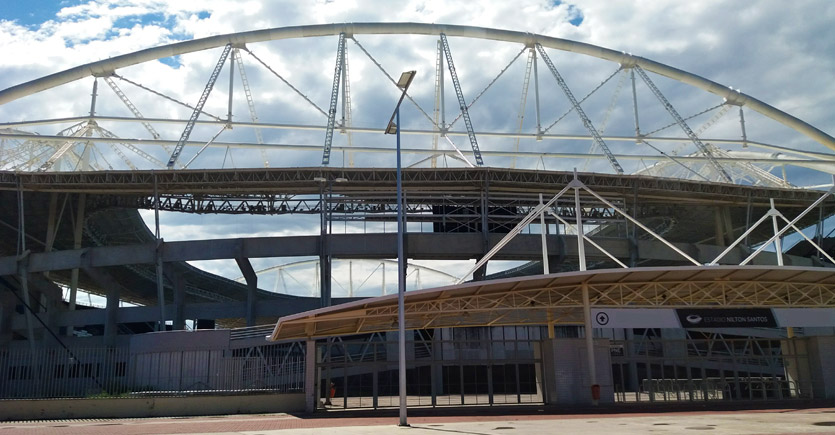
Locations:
(264, 64)
(673, 159)
(681, 123)
(582, 100)
(489, 85)
(160, 94)
(586, 121)
(65, 147)
(199, 107)
(131, 147)
(612, 102)
(129, 104)
(687, 118)
(394, 82)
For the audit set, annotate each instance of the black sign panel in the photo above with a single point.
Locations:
(726, 318)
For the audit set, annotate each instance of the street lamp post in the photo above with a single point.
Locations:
(394, 127)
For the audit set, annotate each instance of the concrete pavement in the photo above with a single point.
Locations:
(475, 421)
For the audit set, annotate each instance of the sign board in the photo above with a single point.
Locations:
(726, 318)
(712, 317)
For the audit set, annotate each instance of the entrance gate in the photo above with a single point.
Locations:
(708, 366)
(449, 366)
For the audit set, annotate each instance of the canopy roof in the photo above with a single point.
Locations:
(558, 298)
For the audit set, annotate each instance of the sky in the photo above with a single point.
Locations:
(781, 53)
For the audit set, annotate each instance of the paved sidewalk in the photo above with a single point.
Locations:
(479, 421)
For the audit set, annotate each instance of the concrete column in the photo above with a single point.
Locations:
(252, 287)
(179, 303)
(538, 369)
(24, 289)
(160, 287)
(77, 234)
(310, 387)
(589, 333)
(549, 371)
(719, 230)
(324, 252)
(111, 316)
(633, 383)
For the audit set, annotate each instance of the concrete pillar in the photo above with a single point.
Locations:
(179, 303)
(310, 387)
(719, 230)
(800, 365)
(252, 288)
(77, 234)
(24, 289)
(111, 316)
(549, 371)
(570, 371)
(589, 337)
(538, 370)
(324, 252)
(113, 288)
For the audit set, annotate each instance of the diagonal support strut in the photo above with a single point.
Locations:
(199, 107)
(586, 121)
(462, 103)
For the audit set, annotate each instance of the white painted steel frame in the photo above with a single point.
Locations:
(108, 66)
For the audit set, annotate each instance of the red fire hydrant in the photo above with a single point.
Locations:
(595, 392)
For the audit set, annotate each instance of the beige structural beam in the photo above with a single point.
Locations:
(558, 298)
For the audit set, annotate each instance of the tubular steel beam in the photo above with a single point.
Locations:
(681, 123)
(103, 67)
(337, 74)
(199, 107)
(577, 108)
(462, 103)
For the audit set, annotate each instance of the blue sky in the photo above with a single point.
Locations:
(33, 12)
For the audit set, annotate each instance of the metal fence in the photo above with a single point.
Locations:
(718, 368)
(118, 372)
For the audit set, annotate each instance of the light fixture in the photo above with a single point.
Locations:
(405, 79)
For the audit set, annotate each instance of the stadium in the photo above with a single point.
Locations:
(580, 225)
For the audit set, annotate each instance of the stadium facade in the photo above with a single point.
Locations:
(659, 272)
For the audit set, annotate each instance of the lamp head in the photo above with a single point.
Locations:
(405, 79)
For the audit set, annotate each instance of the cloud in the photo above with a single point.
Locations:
(783, 56)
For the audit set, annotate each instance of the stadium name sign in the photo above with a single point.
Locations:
(711, 317)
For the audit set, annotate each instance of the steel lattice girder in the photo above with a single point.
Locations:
(557, 298)
(299, 181)
(107, 66)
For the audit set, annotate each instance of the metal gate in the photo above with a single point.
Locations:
(707, 366)
(450, 366)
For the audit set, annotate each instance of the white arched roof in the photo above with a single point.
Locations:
(107, 66)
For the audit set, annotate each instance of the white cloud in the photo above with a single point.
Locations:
(782, 55)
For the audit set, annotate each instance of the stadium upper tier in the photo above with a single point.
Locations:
(449, 202)
(493, 119)
(481, 97)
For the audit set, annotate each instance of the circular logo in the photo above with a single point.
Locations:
(694, 318)
(602, 318)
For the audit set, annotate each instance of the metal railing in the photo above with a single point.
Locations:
(118, 372)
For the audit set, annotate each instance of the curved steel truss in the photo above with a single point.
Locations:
(559, 299)
(580, 119)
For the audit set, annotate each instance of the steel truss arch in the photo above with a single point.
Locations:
(108, 66)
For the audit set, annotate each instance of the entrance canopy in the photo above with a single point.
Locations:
(558, 298)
